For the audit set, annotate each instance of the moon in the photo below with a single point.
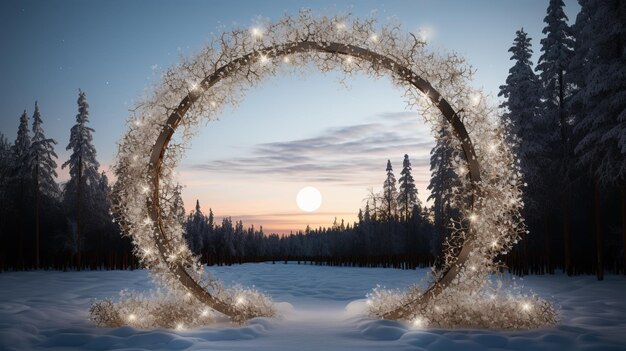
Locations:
(309, 199)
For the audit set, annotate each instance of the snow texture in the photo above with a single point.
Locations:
(322, 308)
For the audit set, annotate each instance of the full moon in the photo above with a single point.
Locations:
(309, 199)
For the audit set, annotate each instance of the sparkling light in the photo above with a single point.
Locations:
(256, 32)
(418, 323)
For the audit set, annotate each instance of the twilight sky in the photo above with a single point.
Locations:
(290, 132)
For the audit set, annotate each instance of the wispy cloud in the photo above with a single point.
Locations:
(351, 155)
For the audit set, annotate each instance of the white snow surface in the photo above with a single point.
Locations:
(322, 308)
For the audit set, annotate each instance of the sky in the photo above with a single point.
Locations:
(292, 131)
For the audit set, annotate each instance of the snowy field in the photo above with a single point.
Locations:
(321, 309)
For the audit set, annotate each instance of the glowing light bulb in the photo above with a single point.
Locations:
(147, 221)
(132, 317)
(264, 59)
(204, 312)
(374, 38)
(475, 98)
(526, 306)
(145, 189)
(349, 59)
(180, 326)
(419, 322)
(213, 103)
(494, 243)
(256, 32)
(340, 25)
(473, 217)
(286, 59)
(240, 301)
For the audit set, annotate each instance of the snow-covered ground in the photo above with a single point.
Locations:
(321, 309)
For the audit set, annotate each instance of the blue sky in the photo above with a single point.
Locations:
(114, 50)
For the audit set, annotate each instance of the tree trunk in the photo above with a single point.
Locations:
(624, 226)
(37, 216)
(598, 227)
(78, 186)
(546, 231)
(567, 267)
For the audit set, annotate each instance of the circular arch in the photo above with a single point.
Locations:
(487, 194)
(167, 131)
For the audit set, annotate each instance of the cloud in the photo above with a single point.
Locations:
(343, 155)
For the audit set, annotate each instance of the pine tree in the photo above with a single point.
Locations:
(407, 196)
(529, 130)
(530, 133)
(601, 94)
(84, 175)
(442, 180)
(390, 194)
(43, 171)
(21, 149)
(21, 180)
(557, 51)
(196, 229)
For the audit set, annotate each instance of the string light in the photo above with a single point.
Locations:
(256, 32)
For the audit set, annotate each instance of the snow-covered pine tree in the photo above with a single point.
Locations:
(602, 128)
(196, 229)
(530, 133)
(21, 149)
(529, 130)
(84, 176)
(557, 51)
(442, 179)
(390, 194)
(407, 196)
(43, 171)
(21, 180)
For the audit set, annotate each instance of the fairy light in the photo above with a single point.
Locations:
(240, 301)
(374, 38)
(180, 326)
(256, 32)
(418, 323)
(286, 59)
(264, 59)
(473, 218)
(132, 317)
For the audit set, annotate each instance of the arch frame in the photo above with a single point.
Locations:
(489, 174)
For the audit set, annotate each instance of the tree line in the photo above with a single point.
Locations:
(47, 225)
(393, 230)
(568, 123)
